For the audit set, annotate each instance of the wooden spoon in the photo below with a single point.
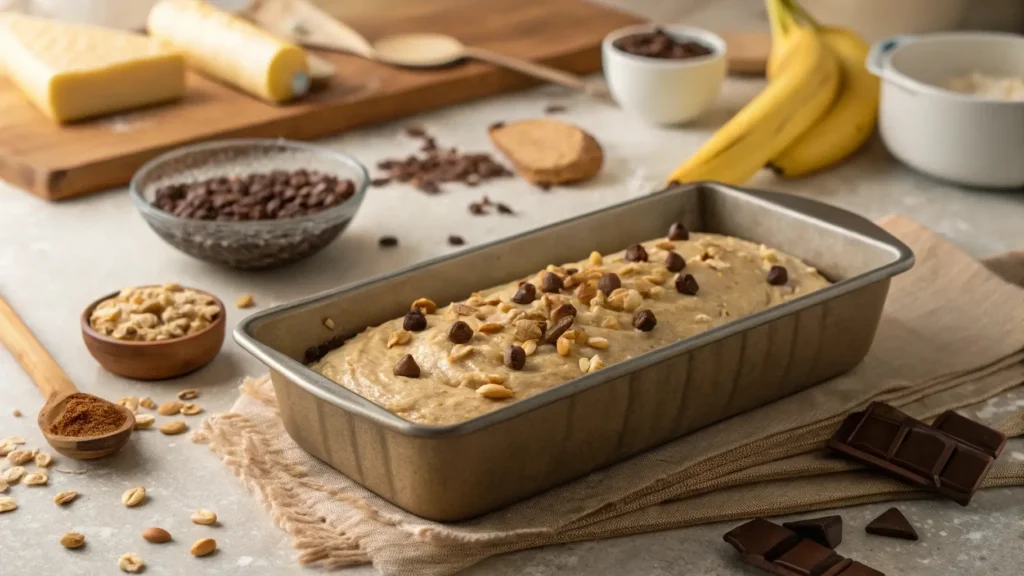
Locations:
(56, 388)
(434, 50)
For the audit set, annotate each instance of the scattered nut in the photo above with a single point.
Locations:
(13, 474)
(7, 504)
(169, 408)
(424, 305)
(16, 413)
(37, 478)
(129, 402)
(43, 459)
(665, 245)
(494, 392)
(459, 351)
(156, 535)
(610, 323)
(329, 324)
(203, 547)
(530, 346)
(18, 457)
(143, 421)
(204, 517)
(147, 402)
(490, 328)
(564, 346)
(6, 448)
(595, 364)
(191, 409)
(173, 427)
(13, 440)
(3, 486)
(133, 496)
(245, 301)
(73, 540)
(188, 394)
(130, 563)
(595, 259)
(154, 313)
(400, 337)
(65, 497)
(584, 364)
(598, 342)
(528, 330)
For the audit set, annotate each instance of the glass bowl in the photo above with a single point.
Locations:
(247, 244)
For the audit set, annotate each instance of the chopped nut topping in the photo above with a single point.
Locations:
(628, 270)
(464, 310)
(656, 292)
(495, 378)
(494, 392)
(584, 364)
(65, 497)
(595, 259)
(582, 338)
(152, 313)
(610, 322)
(133, 497)
(643, 287)
(173, 427)
(424, 305)
(245, 301)
(528, 330)
(459, 351)
(130, 563)
(400, 337)
(490, 328)
(530, 346)
(7, 504)
(563, 346)
(598, 342)
(586, 292)
(595, 364)
(665, 245)
(188, 394)
(504, 306)
(767, 254)
(702, 318)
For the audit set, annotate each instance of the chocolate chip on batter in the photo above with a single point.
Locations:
(674, 262)
(644, 320)
(387, 242)
(459, 332)
(456, 240)
(636, 253)
(687, 284)
(778, 276)
(414, 321)
(678, 232)
(562, 311)
(551, 282)
(527, 293)
(515, 357)
(407, 367)
(609, 282)
(559, 328)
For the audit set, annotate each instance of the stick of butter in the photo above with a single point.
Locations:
(75, 71)
(232, 50)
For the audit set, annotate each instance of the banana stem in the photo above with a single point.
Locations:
(794, 7)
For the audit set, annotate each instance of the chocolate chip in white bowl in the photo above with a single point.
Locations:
(407, 367)
(674, 262)
(414, 321)
(687, 284)
(677, 231)
(459, 332)
(777, 276)
(644, 320)
(551, 282)
(636, 253)
(526, 294)
(515, 357)
(609, 282)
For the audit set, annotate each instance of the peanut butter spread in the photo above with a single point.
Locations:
(450, 364)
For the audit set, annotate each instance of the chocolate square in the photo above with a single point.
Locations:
(965, 470)
(858, 569)
(988, 440)
(875, 435)
(808, 558)
(923, 452)
(759, 537)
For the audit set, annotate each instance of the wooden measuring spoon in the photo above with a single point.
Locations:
(56, 388)
(433, 50)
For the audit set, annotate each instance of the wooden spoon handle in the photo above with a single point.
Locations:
(34, 359)
(540, 71)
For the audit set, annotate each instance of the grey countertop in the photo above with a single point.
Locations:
(56, 258)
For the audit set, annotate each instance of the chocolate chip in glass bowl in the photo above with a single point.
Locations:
(551, 282)
(407, 367)
(459, 332)
(644, 320)
(678, 232)
(515, 357)
(527, 293)
(636, 253)
(609, 282)
(674, 262)
(777, 276)
(687, 284)
(414, 321)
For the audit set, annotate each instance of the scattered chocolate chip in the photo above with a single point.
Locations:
(543, 186)
(438, 165)
(678, 232)
(407, 367)
(504, 208)
(609, 282)
(496, 125)
(477, 209)
(551, 282)
(415, 132)
(674, 262)
(456, 240)
(414, 321)
(527, 293)
(515, 357)
(644, 320)
(387, 241)
(892, 523)
(558, 328)
(561, 311)
(460, 332)
(777, 276)
(687, 284)
(486, 201)
(554, 109)
(636, 253)
(658, 44)
(380, 182)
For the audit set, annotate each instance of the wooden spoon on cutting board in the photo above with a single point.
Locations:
(56, 388)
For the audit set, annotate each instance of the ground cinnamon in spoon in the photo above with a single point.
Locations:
(86, 415)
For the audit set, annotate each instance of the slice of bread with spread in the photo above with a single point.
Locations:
(548, 151)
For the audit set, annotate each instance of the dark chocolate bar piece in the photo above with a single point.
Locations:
(781, 551)
(951, 457)
(892, 523)
(827, 530)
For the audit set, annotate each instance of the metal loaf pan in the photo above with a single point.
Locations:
(455, 472)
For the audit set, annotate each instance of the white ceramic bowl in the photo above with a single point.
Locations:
(663, 91)
(966, 139)
(880, 19)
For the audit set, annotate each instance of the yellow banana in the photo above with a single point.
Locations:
(782, 24)
(788, 106)
(850, 121)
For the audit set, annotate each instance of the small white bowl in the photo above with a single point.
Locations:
(663, 91)
(963, 138)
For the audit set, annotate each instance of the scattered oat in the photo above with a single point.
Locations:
(598, 342)
(37, 478)
(133, 497)
(130, 563)
(147, 402)
(7, 504)
(204, 517)
(43, 459)
(203, 547)
(17, 413)
(169, 408)
(245, 301)
(494, 391)
(191, 409)
(19, 457)
(173, 427)
(144, 421)
(329, 323)
(73, 540)
(129, 402)
(188, 394)
(156, 535)
(398, 338)
(65, 497)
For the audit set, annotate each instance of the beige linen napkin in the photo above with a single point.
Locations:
(952, 335)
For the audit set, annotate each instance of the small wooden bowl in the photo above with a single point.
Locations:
(84, 447)
(159, 359)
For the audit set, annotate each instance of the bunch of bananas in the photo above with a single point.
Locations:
(819, 106)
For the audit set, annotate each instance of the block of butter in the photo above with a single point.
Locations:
(76, 71)
(231, 49)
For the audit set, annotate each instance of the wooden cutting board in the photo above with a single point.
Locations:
(61, 162)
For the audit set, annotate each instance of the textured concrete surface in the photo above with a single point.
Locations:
(56, 258)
